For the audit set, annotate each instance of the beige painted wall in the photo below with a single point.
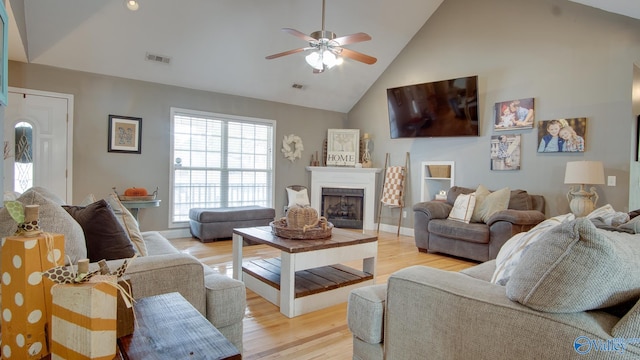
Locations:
(97, 171)
(576, 61)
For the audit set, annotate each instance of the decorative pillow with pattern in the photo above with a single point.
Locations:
(463, 208)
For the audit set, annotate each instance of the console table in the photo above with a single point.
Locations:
(136, 205)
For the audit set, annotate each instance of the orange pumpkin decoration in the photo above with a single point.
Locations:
(134, 191)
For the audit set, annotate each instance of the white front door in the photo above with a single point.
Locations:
(44, 155)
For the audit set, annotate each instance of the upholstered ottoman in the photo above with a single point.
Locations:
(210, 224)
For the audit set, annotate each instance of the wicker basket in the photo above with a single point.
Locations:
(440, 171)
(280, 228)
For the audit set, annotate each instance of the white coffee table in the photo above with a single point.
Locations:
(309, 274)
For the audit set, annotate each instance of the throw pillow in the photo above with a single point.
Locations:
(488, 203)
(633, 225)
(520, 200)
(511, 252)
(53, 219)
(105, 237)
(300, 198)
(463, 208)
(576, 267)
(129, 223)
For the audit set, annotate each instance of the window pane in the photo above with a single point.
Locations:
(222, 163)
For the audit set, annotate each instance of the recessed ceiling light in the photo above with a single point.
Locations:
(131, 5)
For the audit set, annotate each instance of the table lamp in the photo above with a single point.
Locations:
(582, 202)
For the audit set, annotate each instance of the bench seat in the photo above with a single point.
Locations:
(209, 224)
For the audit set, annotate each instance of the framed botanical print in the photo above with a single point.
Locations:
(343, 147)
(125, 134)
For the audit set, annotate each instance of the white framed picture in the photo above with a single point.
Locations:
(343, 147)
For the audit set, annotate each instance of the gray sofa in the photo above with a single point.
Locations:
(574, 295)
(159, 269)
(481, 241)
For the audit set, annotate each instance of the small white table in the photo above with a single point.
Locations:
(308, 275)
(136, 205)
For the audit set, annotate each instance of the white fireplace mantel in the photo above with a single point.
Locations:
(347, 178)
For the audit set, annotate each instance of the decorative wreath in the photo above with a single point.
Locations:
(292, 147)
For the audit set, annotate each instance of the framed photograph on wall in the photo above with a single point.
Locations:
(562, 135)
(505, 152)
(514, 114)
(125, 134)
(343, 147)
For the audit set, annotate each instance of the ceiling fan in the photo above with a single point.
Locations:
(327, 47)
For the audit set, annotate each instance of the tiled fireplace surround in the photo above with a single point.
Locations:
(346, 178)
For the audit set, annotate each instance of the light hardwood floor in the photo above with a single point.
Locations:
(321, 334)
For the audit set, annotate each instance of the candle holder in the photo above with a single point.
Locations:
(366, 156)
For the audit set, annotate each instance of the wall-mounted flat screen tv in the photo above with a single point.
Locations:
(446, 108)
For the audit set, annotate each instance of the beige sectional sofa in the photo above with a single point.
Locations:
(159, 269)
(573, 295)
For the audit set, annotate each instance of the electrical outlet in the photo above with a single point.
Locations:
(404, 214)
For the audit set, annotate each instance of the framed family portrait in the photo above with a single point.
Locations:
(125, 134)
(343, 147)
(562, 135)
(514, 114)
(505, 152)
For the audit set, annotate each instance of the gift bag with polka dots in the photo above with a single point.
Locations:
(26, 295)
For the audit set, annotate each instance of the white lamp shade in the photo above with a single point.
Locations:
(584, 172)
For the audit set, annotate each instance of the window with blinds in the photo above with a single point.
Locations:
(219, 161)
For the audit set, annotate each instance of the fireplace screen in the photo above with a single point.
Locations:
(343, 207)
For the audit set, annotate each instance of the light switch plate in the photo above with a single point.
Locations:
(611, 181)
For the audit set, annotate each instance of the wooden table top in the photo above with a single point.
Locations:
(339, 238)
(169, 327)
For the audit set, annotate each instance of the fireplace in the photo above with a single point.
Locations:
(362, 180)
(343, 207)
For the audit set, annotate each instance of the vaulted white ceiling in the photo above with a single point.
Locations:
(220, 45)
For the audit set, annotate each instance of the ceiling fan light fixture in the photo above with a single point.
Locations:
(315, 60)
(329, 58)
(132, 5)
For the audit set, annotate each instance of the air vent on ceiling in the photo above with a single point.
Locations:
(158, 58)
(297, 86)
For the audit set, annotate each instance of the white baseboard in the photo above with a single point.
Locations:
(394, 229)
(176, 233)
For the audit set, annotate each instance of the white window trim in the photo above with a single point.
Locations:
(173, 111)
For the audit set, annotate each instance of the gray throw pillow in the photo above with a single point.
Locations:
(53, 219)
(576, 267)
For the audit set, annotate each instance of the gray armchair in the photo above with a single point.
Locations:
(475, 241)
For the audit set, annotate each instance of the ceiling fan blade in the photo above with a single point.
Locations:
(299, 34)
(353, 38)
(285, 53)
(358, 56)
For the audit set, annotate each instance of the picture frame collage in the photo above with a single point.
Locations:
(554, 136)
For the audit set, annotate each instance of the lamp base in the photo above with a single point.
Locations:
(582, 202)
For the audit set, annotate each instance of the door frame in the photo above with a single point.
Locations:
(69, 160)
